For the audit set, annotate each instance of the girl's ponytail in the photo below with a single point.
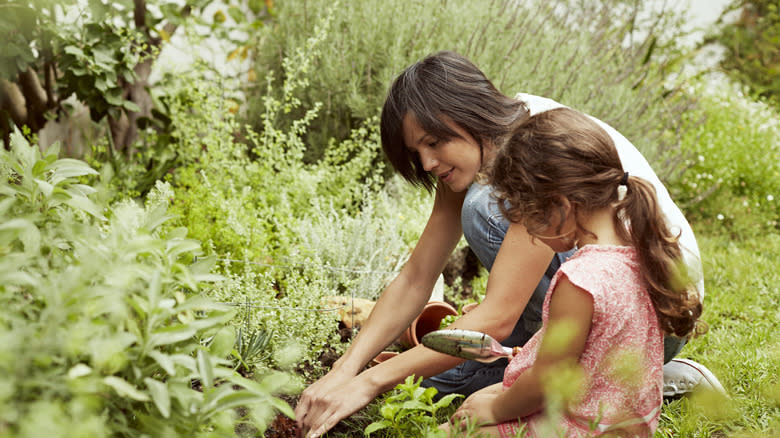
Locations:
(671, 289)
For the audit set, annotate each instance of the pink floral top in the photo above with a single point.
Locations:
(623, 356)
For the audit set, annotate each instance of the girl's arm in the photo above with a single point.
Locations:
(568, 325)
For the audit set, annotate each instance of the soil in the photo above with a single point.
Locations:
(282, 427)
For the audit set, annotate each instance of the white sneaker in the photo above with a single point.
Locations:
(682, 376)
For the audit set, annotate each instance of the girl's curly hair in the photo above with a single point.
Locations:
(562, 153)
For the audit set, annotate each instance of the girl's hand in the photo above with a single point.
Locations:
(477, 408)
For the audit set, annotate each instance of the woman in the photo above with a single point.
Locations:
(440, 125)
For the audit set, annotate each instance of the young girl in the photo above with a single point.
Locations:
(560, 176)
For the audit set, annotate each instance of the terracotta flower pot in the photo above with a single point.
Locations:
(383, 356)
(429, 320)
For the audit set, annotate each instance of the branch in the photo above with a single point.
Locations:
(139, 14)
(34, 96)
(12, 100)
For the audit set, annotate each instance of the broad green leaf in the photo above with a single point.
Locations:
(377, 425)
(79, 370)
(234, 400)
(75, 51)
(125, 389)
(38, 168)
(156, 217)
(183, 332)
(21, 229)
(185, 361)
(104, 58)
(83, 189)
(81, 202)
(416, 405)
(446, 400)
(113, 98)
(131, 106)
(181, 246)
(68, 168)
(160, 396)
(165, 361)
(45, 188)
(21, 150)
(177, 233)
(172, 335)
(203, 265)
(282, 407)
(205, 369)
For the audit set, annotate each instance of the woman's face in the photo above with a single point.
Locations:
(454, 162)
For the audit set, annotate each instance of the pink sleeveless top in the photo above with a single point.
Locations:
(623, 356)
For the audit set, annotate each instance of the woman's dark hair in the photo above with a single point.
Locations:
(562, 153)
(442, 86)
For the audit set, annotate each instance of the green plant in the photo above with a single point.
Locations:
(251, 345)
(104, 330)
(602, 58)
(409, 411)
(100, 54)
(731, 176)
(286, 233)
(751, 43)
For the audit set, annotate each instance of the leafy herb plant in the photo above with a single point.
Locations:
(410, 411)
(103, 331)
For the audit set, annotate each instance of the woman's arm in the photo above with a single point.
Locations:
(343, 391)
(568, 325)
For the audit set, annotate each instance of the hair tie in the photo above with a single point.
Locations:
(622, 188)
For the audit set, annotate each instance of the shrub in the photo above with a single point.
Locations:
(750, 43)
(104, 332)
(730, 179)
(586, 56)
(285, 233)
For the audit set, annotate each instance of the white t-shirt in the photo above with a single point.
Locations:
(636, 164)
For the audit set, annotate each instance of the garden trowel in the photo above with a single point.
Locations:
(468, 344)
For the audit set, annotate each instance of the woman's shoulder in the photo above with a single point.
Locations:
(538, 104)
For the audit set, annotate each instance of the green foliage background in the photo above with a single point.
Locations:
(593, 57)
(104, 332)
(126, 280)
(751, 42)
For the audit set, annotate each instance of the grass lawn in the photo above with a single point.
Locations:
(742, 347)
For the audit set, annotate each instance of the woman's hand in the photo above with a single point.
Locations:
(329, 400)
